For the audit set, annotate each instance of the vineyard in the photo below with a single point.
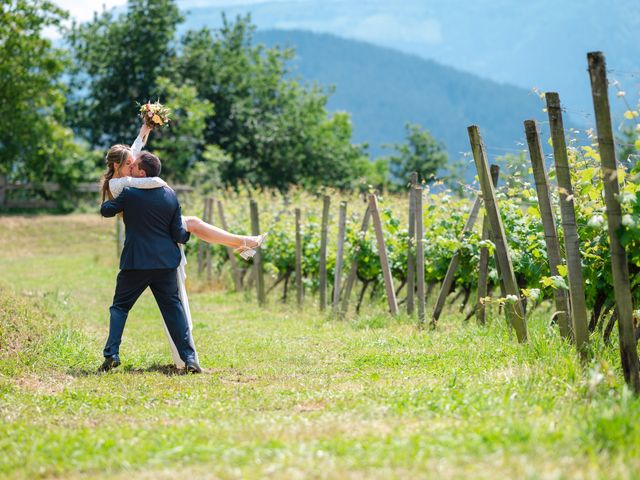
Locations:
(325, 257)
(444, 217)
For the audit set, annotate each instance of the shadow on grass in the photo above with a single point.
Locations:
(169, 370)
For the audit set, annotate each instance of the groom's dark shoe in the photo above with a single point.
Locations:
(109, 363)
(192, 367)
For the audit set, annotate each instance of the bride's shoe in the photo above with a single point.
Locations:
(247, 252)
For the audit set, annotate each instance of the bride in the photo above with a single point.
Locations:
(119, 161)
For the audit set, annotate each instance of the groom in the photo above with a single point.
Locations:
(149, 258)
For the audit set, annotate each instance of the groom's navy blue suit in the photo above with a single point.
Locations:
(149, 259)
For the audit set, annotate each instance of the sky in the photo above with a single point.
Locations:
(83, 10)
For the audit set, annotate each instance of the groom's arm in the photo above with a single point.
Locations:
(178, 233)
(111, 208)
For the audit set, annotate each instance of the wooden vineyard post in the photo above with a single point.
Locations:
(201, 244)
(3, 188)
(257, 258)
(353, 270)
(342, 222)
(483, 275)
(568, 214)
(384, 261)
(513, 308)
(453, 264)
(548, 222)
(326, 202)
(237, 277)
(298, 260)
(417, 199)
(411, 259)
(483, 264)
(209, 219)
(619, 265)
(503, 290)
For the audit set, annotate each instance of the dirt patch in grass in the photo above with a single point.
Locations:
(312, 406)
(234, 376)
(51, 384)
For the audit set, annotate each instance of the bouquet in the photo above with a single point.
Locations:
(154, 114)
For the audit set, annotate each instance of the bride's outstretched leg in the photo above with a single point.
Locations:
(212, 234)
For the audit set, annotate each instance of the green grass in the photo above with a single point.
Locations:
(286, 394)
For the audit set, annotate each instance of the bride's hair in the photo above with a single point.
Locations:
(116, 154)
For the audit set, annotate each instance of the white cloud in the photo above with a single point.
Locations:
(379, 28)
(228, 3)
(396, 30)
(82, 10)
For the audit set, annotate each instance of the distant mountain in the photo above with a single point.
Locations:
(383, 89)
(540, 44)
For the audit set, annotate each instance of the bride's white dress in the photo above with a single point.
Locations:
(116, 185)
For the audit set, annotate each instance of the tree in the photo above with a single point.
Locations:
(421, 153)
(179, 145)
(377, 176)
(117, 63)
(275, 131)
(34, 144)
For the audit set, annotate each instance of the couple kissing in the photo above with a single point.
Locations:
(153, 254)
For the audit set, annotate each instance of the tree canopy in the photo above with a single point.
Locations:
(34, 143)
(228, 93)
(117, 62)
(421, 153)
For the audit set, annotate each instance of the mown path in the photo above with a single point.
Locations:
(285, 394)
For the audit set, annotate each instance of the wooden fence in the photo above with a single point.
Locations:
(6, 202)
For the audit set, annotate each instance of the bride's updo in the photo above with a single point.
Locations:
(116, 155)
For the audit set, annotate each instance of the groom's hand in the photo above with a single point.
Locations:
(111, 208)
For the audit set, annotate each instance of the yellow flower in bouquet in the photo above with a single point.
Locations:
(155, 114)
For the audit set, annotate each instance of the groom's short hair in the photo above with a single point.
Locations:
(149, 163)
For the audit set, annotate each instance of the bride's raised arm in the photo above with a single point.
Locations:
(141, 140)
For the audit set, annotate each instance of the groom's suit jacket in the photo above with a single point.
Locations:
(154, 227)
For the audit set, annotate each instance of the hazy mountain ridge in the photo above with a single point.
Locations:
(539, 44)
(383, 89)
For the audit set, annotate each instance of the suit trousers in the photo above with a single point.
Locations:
(164, 286)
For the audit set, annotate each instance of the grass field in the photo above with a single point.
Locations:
(286, 393)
